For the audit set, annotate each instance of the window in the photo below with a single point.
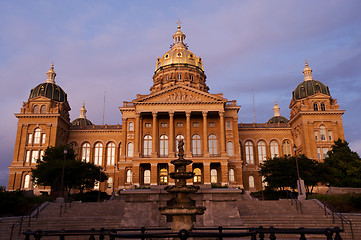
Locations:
(28, 156)
(319, 153)
(196, 145)
(120, 150)
(163, 146)
(167, 78)
(148, 125)
(324, 152)
(229, 125)
(147, 176)
(212, 144)
(85, 152)
(179, 124)
(274, 149)
(41, 154)
(315, 107)
(129, 176)
(316, 135)
(251, 182)
(323, 132)
(98, 154)
(264, 183)
(163, 125)
(35, 156)
(323, 107)
(191, 78)
(147, 146)
(111, 153)
(261, 147)
(163, 176)
(212, 124)
(96, 185)
(37, 136)
(36, 109)
(131, 126)
(30, 138)
(43, 109)
(195, 124)
(179, 76)
(231, 175)
(330, 135)
(27, 181)
(177, 139)
(197, 175)
(43, 138)
(130, 150)
(110, 182)
(287, 148)
(213, 175)
(230, 148)
(249, 152)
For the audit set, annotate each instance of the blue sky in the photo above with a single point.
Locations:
(112, 46)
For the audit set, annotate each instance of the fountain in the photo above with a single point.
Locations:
(182, 210)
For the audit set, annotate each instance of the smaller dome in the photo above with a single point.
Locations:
(82, 120)
(277, 118)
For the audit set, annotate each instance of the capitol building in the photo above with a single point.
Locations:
(179, 106)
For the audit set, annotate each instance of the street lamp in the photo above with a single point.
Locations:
(298, 172)
(62, 175)
(113, 193)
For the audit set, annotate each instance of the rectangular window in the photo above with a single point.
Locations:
(195, 124)
(148, 125)
(35, 156)
(164, 125)
(319, 153)
(316, 135)
(30, 138)
(179, 124)
(28, 156)
(229, 125)
(324, 152)
(212, 124)
(43, 138)
(330, 135)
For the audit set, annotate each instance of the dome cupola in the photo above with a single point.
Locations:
(277, 118)
(49, 89)
(82, 120)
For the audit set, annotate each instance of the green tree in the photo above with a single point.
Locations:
(77, 175)
(342, 166)
(281, 172)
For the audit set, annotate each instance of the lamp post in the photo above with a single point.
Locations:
(300, 183)
(62, 175)
(113, 193)
(298, 172)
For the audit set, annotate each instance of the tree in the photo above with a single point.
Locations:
(343, 166)
(281, 172)
(77, 175)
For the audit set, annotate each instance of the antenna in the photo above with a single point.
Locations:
(254, 108)
(103, 108)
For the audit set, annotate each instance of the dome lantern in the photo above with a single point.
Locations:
(82, 111)
(51, 74)
(276, 110)
(179, 38)
(307, 71)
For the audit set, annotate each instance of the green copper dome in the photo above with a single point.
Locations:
(81, 122)
(278, 119)
(49, 90)
(309, 88)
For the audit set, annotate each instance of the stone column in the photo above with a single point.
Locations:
(140, 135)
(137, 134)
(224, 173)
(236, 138)
(171, 134)
(205, 134)
(221, 122)
(136, 174)
(153, 174)
(154, 137)
(206, 173)
(188, 151)
(124, 138)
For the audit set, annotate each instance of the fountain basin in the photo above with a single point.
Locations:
(182, 189)
(181, 175)
(181, 162)
(176, 210)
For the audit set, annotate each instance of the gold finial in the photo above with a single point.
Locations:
(179, 23)
(306, 63)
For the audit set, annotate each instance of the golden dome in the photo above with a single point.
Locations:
(179, 54)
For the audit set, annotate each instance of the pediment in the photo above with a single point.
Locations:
(40, 99)
(179, 94)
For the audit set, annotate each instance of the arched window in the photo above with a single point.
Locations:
(146, 176)
(37, 136)
(230, 148)
(131, 126)
(111, 153)
(130, 150)
(177, 139)
(249, 152)
(196, 145)
(27, 181)
(43, 109)
(147, 146)
(212, 144)
(323, 107)
(129, 176)
(287, 148)
(323, 132)
(274, 149)
(197, 175)
(98, 154)
(163, 146)
(36, 109)
(251, 182)
(163, 176)
(231, 175)
(229, 125)
(214, 175)
(315, 107)
(262, 155)
(85, 152)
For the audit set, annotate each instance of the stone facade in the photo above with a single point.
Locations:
(179, 106)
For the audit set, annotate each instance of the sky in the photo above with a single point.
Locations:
(109, 48)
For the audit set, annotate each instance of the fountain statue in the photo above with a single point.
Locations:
(182, 210)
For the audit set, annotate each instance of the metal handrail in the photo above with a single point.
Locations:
(298, 203)
(64, 206)
(342, 217)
